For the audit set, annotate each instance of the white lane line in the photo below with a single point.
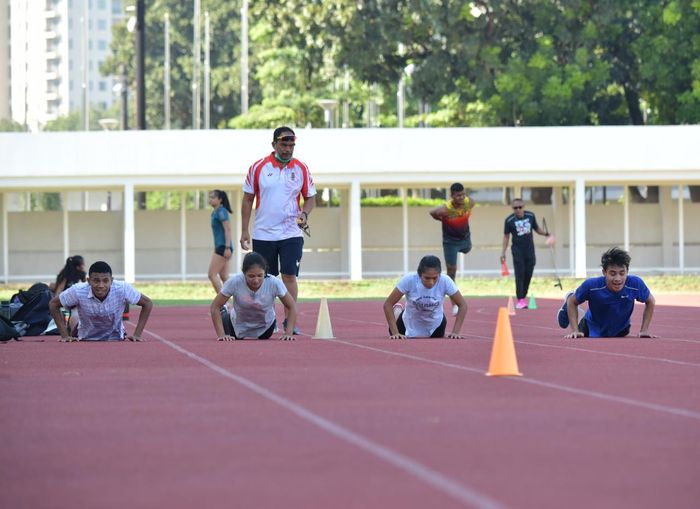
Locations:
(599, 352)
(426, 474)
(682, 412)
(617, 354)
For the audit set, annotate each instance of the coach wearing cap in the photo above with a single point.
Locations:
(277, 183)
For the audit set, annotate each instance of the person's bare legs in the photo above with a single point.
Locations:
(217, 266)
(290, 283)
(452, 272)
(224, 272)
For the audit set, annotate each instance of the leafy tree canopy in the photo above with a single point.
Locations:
(479, 62)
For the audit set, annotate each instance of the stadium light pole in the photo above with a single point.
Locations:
(328, 106)
(207, 70)
(401, 93)
(244, 57)
(195, 66)
(166, 72)
(84, 42)
(346, 102)
(140, 64)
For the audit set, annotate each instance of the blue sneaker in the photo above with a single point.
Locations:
(562, 314)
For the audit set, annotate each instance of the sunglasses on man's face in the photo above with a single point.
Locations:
(287, 138)
(516, 207)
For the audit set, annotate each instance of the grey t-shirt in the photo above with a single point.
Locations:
(255, 311)
(424, 312)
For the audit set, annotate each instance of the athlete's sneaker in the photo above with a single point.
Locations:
(455, 309)
(295, 330)
(521, 304)
(563, 314)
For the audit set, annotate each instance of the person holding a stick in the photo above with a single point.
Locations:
(520, 225)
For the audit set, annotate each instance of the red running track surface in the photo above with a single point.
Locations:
(359, 421)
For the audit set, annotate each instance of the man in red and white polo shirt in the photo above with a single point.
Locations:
(277, 183)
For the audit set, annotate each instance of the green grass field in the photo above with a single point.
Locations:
(169, 293)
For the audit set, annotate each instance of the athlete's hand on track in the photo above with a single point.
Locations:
(135, 338)
(226, 337)
(287, 337)
(574, 335)
(397, 336)
(454, 335)
(645, 334)
(68, 339)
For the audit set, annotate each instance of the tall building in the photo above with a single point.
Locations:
(56, 49)
(5, 111)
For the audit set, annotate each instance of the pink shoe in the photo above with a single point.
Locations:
(522, 304)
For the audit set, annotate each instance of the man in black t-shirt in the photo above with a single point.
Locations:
(520, 225)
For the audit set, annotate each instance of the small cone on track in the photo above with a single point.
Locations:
(503, 359)
(504, 269)
(511, 307)
(532, 304)
(324, 330)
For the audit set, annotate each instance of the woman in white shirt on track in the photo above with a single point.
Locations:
(425, 291)
(253, 292)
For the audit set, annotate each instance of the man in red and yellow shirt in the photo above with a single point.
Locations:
(454, 215)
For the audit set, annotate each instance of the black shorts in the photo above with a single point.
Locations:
(230, 331)
(220, 250)
(583, 327)
(437, 333)
(282, 255)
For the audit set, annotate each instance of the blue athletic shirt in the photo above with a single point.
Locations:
(218, 216)
(609, 312)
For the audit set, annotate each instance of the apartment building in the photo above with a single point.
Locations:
(56, 49)
(5, 111)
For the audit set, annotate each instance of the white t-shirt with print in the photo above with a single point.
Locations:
(255, 311)
(278, 189)
(424, 313)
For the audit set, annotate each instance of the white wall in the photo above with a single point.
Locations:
(36, 248)
(571, 157)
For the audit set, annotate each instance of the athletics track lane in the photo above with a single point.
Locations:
(143, 425)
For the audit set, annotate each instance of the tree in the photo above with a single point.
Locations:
(9, 125)
(74, 120)
(479, 62)
(669, 61)
(224, 51)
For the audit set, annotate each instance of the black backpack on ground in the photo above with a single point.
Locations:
(23, 296)
(7, 330)
(33, 317)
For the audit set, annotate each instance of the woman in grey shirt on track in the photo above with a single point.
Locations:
(253, 293)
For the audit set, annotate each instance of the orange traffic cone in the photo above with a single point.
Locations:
(511, 307)
(503, 360)
(504, 269)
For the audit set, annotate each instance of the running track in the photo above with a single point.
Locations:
(359, 421)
